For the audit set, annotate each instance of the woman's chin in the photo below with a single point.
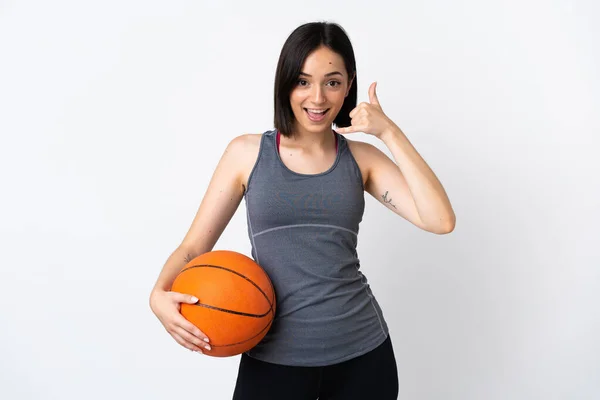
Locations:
(314, 127)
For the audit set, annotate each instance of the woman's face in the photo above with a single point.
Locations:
(320, 90)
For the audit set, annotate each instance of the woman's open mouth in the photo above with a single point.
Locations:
(315, 114)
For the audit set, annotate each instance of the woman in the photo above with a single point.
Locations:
(304, 187)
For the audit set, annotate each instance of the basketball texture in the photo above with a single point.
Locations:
(236, 300)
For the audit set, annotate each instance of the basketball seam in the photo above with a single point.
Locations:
(226, 310)
(244, 341)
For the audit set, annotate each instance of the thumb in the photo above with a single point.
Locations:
(372, 94)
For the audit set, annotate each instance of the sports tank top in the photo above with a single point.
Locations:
(303, 230)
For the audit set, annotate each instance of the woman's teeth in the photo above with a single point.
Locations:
(315, 114)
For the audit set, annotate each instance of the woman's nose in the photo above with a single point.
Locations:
(317, 95)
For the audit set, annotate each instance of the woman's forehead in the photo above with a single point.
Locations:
(323, 61)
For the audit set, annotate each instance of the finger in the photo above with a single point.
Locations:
(184, 298)
(181, 322)
(373, 94)
(185, 344)
(361, 107)
(191, 339)
(349, 129)
(353, 113)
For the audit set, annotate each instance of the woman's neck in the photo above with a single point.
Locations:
(310, 140)
(315, 141)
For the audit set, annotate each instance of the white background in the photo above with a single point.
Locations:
(114, 114)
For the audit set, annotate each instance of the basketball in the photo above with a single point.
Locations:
(236, 300)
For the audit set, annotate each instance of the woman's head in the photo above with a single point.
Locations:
(316, 72)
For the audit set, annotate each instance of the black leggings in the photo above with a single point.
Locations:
(373, 375)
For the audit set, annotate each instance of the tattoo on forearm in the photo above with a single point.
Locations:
(386, 200)
(188, 258)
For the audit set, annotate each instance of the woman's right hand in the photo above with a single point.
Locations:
(166, 306)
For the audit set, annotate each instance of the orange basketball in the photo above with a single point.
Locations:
(236, 300)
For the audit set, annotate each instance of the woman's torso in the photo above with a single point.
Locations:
(303, 216)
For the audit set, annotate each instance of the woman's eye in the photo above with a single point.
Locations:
(303, 82)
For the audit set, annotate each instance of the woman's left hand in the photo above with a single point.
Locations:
(368, 117)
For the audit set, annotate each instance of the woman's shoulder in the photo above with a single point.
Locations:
(357, 145)
(246, 145)
(363, 153)
(246, 141)
(245, 149)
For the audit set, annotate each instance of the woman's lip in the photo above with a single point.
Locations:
(320, 116)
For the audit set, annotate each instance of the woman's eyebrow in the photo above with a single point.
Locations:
(326, 75)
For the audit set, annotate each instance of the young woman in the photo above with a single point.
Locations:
(304, 185)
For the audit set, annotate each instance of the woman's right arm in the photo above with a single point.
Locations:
(222, 198)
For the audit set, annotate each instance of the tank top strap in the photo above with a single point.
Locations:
(268, 147)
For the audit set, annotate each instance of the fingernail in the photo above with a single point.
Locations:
(207, 347)
(194, 299)
(206, 339)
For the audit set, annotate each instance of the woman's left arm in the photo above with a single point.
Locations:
(408, 187)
